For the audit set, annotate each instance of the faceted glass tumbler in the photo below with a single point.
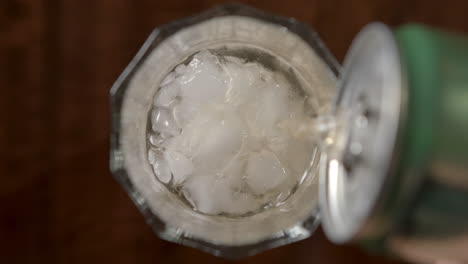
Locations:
(224, 27)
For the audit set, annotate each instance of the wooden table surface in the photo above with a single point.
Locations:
(58, 59)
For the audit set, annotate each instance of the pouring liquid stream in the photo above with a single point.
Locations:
(317, 131)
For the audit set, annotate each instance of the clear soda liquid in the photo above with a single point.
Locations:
(257, 107)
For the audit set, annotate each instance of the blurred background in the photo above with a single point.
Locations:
(58, 60)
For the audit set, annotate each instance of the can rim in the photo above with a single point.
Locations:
(351, 195)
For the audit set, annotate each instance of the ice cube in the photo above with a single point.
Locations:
(180, 166)
(225, 128)
(221, 140)
(276, 140)
(272, 107)
(241, 203)
(207, 194)
(162, 171)
(168, 79)
(296, 156)
(264, 172)
(232, 174)
(204, 83)
(185, 111)
(166, 95)
(241, 79)
(151, 156)
(180, 69)
(269, 109)
(162, 121)
(156, 140)
(210, 194)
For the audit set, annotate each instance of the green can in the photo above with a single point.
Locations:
(395, 176)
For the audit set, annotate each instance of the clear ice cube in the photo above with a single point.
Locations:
(162, 121)
(180, 166)
(264, 172)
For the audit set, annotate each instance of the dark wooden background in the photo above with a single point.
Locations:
(58, 59)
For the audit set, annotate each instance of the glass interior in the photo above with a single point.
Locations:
(170, 216)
